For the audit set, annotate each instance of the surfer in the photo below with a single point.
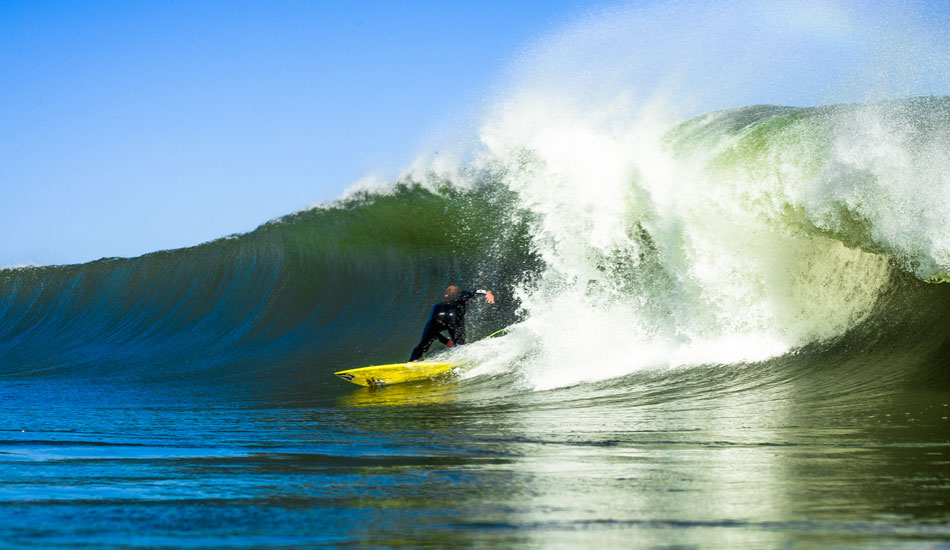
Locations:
(448, 316)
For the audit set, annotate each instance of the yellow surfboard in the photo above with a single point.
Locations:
(398, 373)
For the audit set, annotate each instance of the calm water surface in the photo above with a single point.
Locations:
(708, 458)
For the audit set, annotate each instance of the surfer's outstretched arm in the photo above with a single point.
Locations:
(489, 295)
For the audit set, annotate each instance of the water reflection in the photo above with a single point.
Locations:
(438, 392)
(727, 459)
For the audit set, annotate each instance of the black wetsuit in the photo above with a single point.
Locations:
(448, 315)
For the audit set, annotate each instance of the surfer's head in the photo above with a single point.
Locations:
(451, 291)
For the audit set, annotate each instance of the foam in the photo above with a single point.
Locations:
(660, 256)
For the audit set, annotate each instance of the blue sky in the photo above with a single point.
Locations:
(127, 127)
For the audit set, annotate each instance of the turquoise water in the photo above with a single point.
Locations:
(712, 458)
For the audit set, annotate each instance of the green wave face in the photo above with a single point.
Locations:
(334, 287)
(872, 176)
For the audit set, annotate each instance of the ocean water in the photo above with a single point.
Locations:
(725, 330)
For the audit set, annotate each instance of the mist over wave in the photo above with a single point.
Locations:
(738, 235)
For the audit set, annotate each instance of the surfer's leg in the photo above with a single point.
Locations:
(420, 350)
(429, 335)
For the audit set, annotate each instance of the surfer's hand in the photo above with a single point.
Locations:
(489, 297)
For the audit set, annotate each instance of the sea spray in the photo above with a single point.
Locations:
(663, 259)
(733, 236)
